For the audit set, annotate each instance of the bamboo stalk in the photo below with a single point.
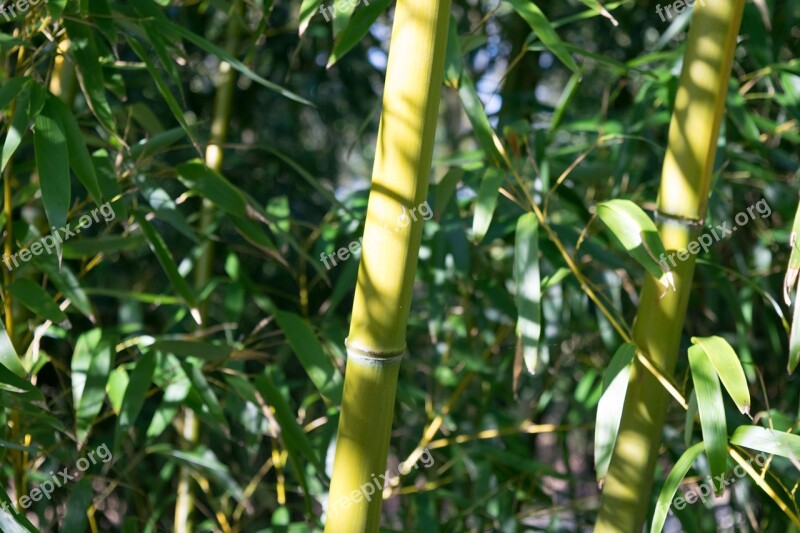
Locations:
(682, 203)
(376, 342)
(204, 269)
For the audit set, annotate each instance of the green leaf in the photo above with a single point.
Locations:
(357, 27)
(609, 409)
(135, 394)
(529, 291)
(325, 377)
(476, 114)
(56, 8)
(307, 10)
(789, 282)
(293, 435)
(767, 440)
(76, 517)
(202, 350)
(544, 31)
(712, 410)
(165, 91)
(671, 485)
(64, 279)
(794, 336)
(91, 364)
(35, 298)
(8, 354)
(83, 49)
(201, 385)
(174, 395)
(11, 382)
(10, 89)
(77, 249)
(214, 187)
(170, 27)
(486, 202)
(729, 369)
(79, 158)
(637, 233)
(52, 162)
(118, 381)
(159, 248)
(20, 123)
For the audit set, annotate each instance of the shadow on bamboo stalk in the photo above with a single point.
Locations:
(682, 203)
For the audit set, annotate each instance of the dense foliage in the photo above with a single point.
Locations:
(114, 335)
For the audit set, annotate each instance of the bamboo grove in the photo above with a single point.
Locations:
(361, 266)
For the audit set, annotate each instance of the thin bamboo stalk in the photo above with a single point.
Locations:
(376, 342)
(221, 114)
(682, 203)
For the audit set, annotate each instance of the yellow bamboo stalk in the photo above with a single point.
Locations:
(682, 203)
(376, 342)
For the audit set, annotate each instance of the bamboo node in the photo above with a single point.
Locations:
(661, 216)
(372, 357)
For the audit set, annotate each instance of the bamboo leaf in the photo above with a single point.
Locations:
(91, 364)
(206, 392)
(789, 282)
(20, 123)
(56, 8)
(83, 49)
(140, 379)
(357, 27)
(159, 248)
(118, 381)
(214, 187)
(75, 515)
(10, 89)
(79, 158)
(609, 409)
(64, 279)
(52, 162)
(11, 382)
(712, 410)
(544, 30)
(8, 354)
(728, 368)
(767, 440)
(307, 10)
(671, 485)
(794, 337)
(202, 350)
(325, 377)
(486, 202)
(165, 91)
(293, 435)
(691, 412)
(638, 235)
(171, 27)
(35, 298)
(529, 291)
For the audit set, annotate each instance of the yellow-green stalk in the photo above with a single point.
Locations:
(220, 118)
(682, 203)
(392, 237)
